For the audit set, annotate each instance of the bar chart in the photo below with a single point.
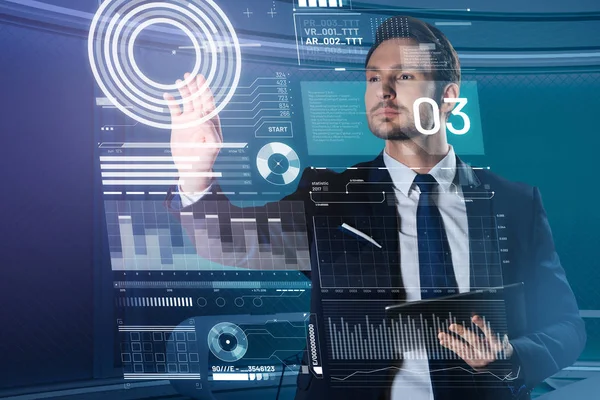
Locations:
(386, 339)
(408, 335)
(144, 166)
(144, 235)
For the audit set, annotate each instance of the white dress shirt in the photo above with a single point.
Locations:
(413, 381)
(188, 199)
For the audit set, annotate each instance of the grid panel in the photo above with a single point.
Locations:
(349, 261)
(158, 352)
(345, 262)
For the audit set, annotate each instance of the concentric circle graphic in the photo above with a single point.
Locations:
(227, 341)
(113, 35)
(278, 163)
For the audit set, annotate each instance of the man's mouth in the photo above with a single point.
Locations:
(386, 112)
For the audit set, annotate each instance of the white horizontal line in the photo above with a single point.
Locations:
(390, 288)
(148, 376)
(154, 327)
(147, 158)
(274, 219)
(171, 378)
(103, 101)
(113, 192)
(212, 216)
(530, 56)
(230, 377)
(187, 213)
(157, 329)
(162, 174)
(310, 13)
(145, 166)
(161, 373)
(455, 23)
(154, 377)
(167, 145)
(134, 192)
(224, 44)
(243, 219)
(124, 216)
(144, 182)
(157, 193)
(225, 192)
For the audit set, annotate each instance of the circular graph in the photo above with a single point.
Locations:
(113, 34)
(278, 163)
(227, 341)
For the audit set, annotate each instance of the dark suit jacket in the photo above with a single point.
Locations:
(555, 333)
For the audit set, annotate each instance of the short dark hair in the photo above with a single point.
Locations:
(405, 27)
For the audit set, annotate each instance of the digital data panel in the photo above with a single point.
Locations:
(208, 330)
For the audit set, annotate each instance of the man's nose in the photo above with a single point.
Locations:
(386, 91)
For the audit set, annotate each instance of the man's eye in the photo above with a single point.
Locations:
(374, 79)
(404, 77)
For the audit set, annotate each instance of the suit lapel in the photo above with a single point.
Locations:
(384, 213)
(484, 263)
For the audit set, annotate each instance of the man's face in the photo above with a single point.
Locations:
(394, 82)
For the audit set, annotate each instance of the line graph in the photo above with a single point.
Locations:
(366, 258)
(509, 377)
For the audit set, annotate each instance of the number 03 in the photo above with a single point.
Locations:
(436, 115)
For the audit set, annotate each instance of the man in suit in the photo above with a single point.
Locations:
(427, 217)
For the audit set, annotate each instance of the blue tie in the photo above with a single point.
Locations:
(435, 272)
(435, 258)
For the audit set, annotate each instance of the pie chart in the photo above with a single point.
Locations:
(227, 341)
(278, 163)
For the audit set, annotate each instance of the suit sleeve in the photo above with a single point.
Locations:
(557, 331)
(251, 259)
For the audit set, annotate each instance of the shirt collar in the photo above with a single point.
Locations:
(403, 176)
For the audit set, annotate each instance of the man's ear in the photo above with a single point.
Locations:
(451, 91)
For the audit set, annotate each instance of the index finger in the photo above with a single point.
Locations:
(485, 328)
(467, 334)
(208, 101)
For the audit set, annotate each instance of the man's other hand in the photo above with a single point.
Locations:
(476, 350)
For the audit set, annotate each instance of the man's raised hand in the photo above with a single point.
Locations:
(195, 148)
